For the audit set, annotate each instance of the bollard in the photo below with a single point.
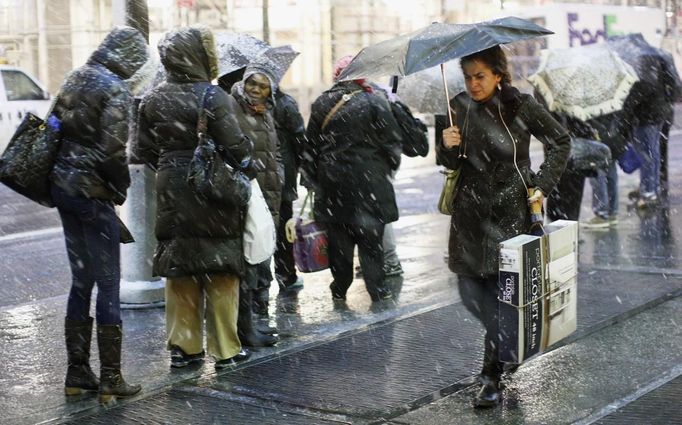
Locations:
(139, 289)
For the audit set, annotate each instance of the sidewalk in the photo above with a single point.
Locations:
(409, 360)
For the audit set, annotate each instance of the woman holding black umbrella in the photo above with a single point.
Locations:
(489, 140)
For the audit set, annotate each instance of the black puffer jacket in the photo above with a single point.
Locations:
(94, 107)
(260, 128)
(491, 202)
(291, 134)
(194, 235)
(349, 162)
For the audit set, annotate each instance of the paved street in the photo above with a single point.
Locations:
(410, 360)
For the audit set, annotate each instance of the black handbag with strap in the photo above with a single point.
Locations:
(210, 174)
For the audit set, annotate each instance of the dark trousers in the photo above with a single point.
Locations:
(479, 296)
(368, 237)
(258, 278)
(285, 267)
(565, 200)
(92, 244)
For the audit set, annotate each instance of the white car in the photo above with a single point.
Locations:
(19, 93)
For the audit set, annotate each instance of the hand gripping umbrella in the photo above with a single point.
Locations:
(436, 44)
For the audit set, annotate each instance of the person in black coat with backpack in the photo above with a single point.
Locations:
(354, 143)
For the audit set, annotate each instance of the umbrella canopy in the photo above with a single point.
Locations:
(436, 44)
(235, 50)
(583, 82)
(276, 61)
(423, 91)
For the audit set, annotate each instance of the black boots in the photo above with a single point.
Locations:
(79, 376)
(490, 393)
(248, 334)
(112, 385)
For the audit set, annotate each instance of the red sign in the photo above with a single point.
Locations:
(185, 3)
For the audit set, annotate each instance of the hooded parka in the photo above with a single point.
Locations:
(349, 162)
(194, 234)
(94, 105)
(491, 201)
(260, 128)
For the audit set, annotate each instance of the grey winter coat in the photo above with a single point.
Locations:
(194, 234)
(491, 200)
(94, 106)
(260, 128)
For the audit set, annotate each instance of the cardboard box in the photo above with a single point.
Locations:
(521, 304)
(538, 290)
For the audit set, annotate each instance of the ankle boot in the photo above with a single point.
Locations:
(79, 375)
(489, 394)
(247, 332)
(112, 384)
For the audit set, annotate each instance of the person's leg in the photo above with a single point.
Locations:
(646, 142)
(600, 195)
(392, 266)
(285, 267)
(340, 251)
(222, 305)
(369, 237)
(565, 200)
(612, 190)
(72, 211)
(184, 314)
(261, 295)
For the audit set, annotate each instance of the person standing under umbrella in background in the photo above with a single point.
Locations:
(90, 176)
(252, 101)
(354, 143)
(291, 134)
(490, 142)
(199, 248)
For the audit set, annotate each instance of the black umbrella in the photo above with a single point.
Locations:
(436, 44)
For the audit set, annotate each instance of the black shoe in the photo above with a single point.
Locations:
(243, 355)
(290, 284)
(336, 294)
(266, 329)
(180, 359)
(393, 269)
(489, 395)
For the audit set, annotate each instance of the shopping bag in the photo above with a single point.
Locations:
(630, 161)
(310, 241)
(260, 235)
(26, 164)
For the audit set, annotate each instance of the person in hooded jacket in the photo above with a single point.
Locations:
(354, 143)
(490, 141)
(252, 101)
(199, 248)
(90, 176)
(291, 134)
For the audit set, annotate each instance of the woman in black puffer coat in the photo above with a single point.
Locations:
(490, 142)
(199, 247)
(90, 176)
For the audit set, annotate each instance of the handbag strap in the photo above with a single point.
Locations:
(202, 129)
(305, 202)
(345, 98)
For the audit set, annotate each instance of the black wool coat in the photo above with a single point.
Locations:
(349, 162)
(491, 201)
(291, 134)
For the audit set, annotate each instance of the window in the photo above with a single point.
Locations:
(20, 87)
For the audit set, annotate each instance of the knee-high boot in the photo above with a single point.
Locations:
(248, 334)
(112, 385)
(79, 375)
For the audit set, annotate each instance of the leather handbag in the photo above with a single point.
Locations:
(260, 235)
(26, 164)
(209, 172)
(589, 156)
(446, 202)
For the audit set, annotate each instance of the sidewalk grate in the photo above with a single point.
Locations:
(660, 406)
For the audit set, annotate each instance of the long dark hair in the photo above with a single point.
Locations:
(494, 58)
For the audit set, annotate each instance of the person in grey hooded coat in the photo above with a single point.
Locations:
(90, 176)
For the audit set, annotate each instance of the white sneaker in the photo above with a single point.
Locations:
(596, 222)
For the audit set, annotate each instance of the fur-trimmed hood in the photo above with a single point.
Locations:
(189, 54)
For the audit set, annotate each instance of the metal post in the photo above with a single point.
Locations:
(139, 289)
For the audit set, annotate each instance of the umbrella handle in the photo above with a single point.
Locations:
(447, 95)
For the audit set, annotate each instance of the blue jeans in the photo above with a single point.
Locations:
(646, 141)
(92, 244)
(605, 192)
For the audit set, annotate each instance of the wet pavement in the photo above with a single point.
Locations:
(410, 360)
